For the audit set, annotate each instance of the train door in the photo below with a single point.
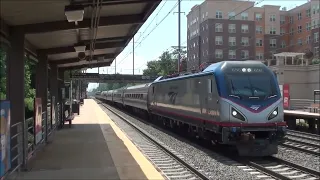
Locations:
(212, 97)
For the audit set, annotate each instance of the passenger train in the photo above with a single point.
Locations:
(235, 103)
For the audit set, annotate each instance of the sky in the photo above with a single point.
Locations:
(150, 41)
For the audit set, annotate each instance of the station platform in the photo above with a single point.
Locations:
(93, 148)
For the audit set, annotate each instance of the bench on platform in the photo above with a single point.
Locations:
(314, 107)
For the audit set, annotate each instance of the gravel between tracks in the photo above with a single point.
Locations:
(213, 165)
(300, 158)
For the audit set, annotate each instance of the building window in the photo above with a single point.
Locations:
(219, 15)
(232, 54)
(308, 12)
(308, 26)
(232, 41)
(273, 43)
(232, 15)
(259, 56)
(244, 16)
(315, 23)
(244, 54)
(290, 19)
(299, 29)
(245, 41)
(283, 44)
(291, 31)
(299, 16)
(259, 29)
(219, 53)
(316, 37)
(258, 17)
(219, 40)
(272, 30)
(273, 17)
(282, 31)
(316, 51)
(282, 19)
(315, 9)
(308, 38)
(244, 28)
(299, 42)
(259, 42)
(219, 27)
(232, 28)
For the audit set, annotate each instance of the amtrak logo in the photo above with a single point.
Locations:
(172, 96)
(255, 107)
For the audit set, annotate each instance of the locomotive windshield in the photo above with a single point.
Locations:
(251, 86)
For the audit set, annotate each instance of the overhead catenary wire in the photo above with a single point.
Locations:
(228, 19)
(149, 32)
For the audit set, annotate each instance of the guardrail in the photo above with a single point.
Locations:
(301, 103)
(16, 151)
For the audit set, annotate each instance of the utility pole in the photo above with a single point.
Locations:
(133, 55)
(179, 33)
(115, 66)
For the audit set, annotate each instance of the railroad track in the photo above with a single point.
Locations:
(302, 142)
(273, 167)
(307, 136)
(173, 167)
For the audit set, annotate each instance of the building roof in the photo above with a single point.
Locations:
(48, 31)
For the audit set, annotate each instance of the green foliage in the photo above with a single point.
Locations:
(29, 92)
(316, 61)
(3, 78)
(166, 64)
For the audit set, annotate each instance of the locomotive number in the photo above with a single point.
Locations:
(213, 112)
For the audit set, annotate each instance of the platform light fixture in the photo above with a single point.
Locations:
(80, 47)
(74, 13)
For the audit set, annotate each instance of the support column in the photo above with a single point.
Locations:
(42, 85)
(16, 91)
(54, 87)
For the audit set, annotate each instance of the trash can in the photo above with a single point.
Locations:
(76, 106)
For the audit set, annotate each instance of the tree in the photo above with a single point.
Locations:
(3, 78)
(166, 64)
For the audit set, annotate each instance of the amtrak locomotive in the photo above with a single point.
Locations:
(234, 103)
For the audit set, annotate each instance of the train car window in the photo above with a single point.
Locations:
(209, 86)
(153, 90)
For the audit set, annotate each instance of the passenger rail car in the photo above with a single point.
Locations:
(234, 103)
(136, 96)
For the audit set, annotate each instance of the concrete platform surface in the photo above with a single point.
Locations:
(94, 148)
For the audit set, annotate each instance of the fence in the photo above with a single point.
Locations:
(301, 104)
(23, 144)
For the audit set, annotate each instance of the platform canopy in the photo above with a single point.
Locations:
(76, 34)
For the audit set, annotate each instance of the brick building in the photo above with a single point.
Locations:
(254, 33)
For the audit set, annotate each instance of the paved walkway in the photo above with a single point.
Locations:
(94, 148)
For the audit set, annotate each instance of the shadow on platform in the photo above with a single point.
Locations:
(82, 152)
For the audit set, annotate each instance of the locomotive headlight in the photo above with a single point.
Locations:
(234, 113)
(273, 114)
(249, 69)
(237, 115)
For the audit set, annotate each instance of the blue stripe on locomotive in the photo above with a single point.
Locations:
(222, 89)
